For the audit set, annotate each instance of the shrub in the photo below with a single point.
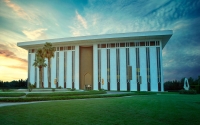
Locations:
(187, 92)
(53, 90)
(59, 87)
(12, 94)
(73, 89)
(30, 87)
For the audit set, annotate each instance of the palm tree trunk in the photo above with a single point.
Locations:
(49, 84)
(40, 77)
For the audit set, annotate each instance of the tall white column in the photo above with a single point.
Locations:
(32, 68)
(61, 69)
(77, 67)
(69, 69)
(143, 69)
(38, 78)
(153, 69)
(53, 71)
(123, 82)
(45, 74)
(132, 56)
(95, 67)
(161, 64)
(104, 67)
(113, 73)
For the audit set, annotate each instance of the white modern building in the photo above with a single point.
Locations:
(91, 60)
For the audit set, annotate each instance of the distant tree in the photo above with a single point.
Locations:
(40, 63)
(48, 52)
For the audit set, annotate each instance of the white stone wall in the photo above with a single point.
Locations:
(113, 74)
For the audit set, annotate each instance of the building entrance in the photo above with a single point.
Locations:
(86, 67)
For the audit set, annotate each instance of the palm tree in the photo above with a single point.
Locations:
(40, 63)
(48, 52)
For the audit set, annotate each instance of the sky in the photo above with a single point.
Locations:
(28, 20)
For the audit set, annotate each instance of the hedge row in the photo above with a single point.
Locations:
(64, 94)
(12, 94)
(187, 92)
(30, 99)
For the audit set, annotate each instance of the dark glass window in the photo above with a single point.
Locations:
(142, 43)
(152, 43)
(103, 45)
(122, 44)
(132, 44)
(69, 47)
(112, 45)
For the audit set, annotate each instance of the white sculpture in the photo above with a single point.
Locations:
(186, 84)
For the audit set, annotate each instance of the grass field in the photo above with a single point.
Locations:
(141, 109)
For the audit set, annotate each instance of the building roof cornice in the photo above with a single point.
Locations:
(163, 35)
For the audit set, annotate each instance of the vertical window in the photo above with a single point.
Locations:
(35, 73)
(42, 77)
(29, 66)
(99, 69)
(127, 63)
(118, 69)
(65, 53)
(108, 68)
(148, 69)
(57, 68)
(49, 84)
(73, 68)
(158, 68)
(138, 68)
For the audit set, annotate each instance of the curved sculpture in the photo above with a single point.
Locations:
(186, 84)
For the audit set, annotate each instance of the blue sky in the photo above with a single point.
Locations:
(26, 20)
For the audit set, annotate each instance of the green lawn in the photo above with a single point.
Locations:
(137, 109)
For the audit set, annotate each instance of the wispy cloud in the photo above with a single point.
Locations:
(35, 34)
(9, 54)
(81, 20)
(20, 12)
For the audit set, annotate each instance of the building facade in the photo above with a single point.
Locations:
(101, 61)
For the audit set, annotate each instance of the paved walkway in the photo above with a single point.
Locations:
(2, 104)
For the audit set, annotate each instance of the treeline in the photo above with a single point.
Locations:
(178, 85)
(20, 84)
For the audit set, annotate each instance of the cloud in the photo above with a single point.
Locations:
(35, 34)
(81, 20)
(9, 54)
(20, 12)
